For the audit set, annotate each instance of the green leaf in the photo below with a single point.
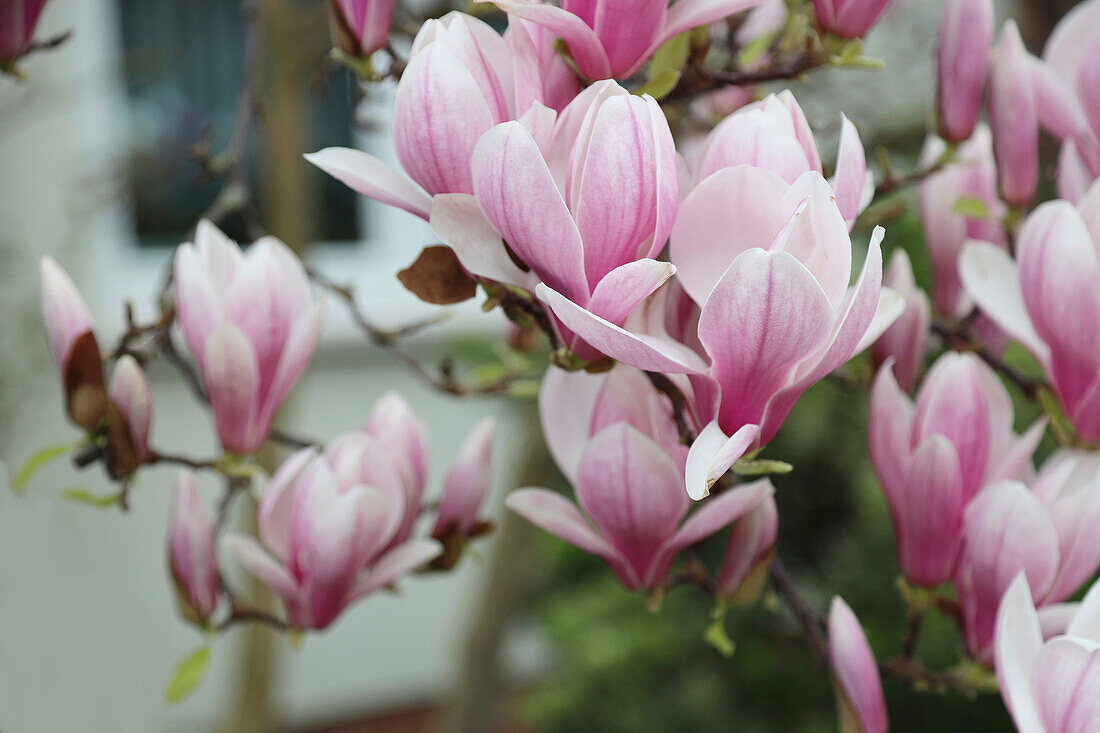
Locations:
(659, 86)
(971, 206)
(82, 496)
(670, 57)
(40, 458)
(187, 675)
(761, 467)
(754, 49)
(716, 634)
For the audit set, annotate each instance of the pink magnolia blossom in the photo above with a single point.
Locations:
(252, 324)
(966, 38)
(574, 407)
(849, 18)
(1072, 53)
(403, 440)
(971, 176)
(191, 554)
(328, 523)
(1048, 686)
(1024, 94)
(612, 39)
(462, 79)
(933, 457)
(906, 341)
(1048, 299)
(775, 135)
(855, 673)
(633, 493)
(541, 73)
(585, 205)
(18, 19)
(777, 314)
(73, 345)
(366, 21)
(129, 392)
(467, 484)
(1045, 533)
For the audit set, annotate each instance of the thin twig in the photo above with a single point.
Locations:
(961, 338)
(812, 624)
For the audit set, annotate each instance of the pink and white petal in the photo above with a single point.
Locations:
(888, 430)
(1018, 641)
(64, 312)
(621, 291)
(802, 129)
(642, 351)
(850, 179)
(396, 563)
(273, 517)
(633, 491)
(1086, 624)
(458, 221)
(1074, 176)
(891, 305)
(566, 403)
(713, 454)
(261, 565)
(371, 177)
(1014, 463)
(818, 235)
(1076, 515)
(703, 242)
(439, 114)
(721, 511)
(764, 317)
(560, 517)
(220, 255)
(584, 45)
(858, 314)
(687, 14)
(300, 346)
(1066, 685)
(1055, 618)
(232, 380)
(518, 195)
(992, 280)
(198, 302)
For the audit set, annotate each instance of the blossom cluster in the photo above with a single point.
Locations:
(691, 292)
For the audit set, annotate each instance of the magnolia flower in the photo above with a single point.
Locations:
(774, 134)
(861, 703)
(1048, 299)
(1025, 93)
(907, 340)
(849, 18)
(402, 441)
(467, 484)
(966, 38)
(18, 19)
(584, 206)
(252, 325)
(459, 83)
(933, 457)
(124, 409)
(574, 407)
(542, 75)
(1048, 686)
(777, 314)
(191, 555)
(969, 179)
(1008, 529)
(327, 522)
(633, 493)
(1072, 52)
(361, 27)
(611, 39)
(129, 393)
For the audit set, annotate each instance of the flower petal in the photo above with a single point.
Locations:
(371, 177)
(713, 453)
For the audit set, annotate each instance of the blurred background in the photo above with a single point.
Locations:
(98, 150)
